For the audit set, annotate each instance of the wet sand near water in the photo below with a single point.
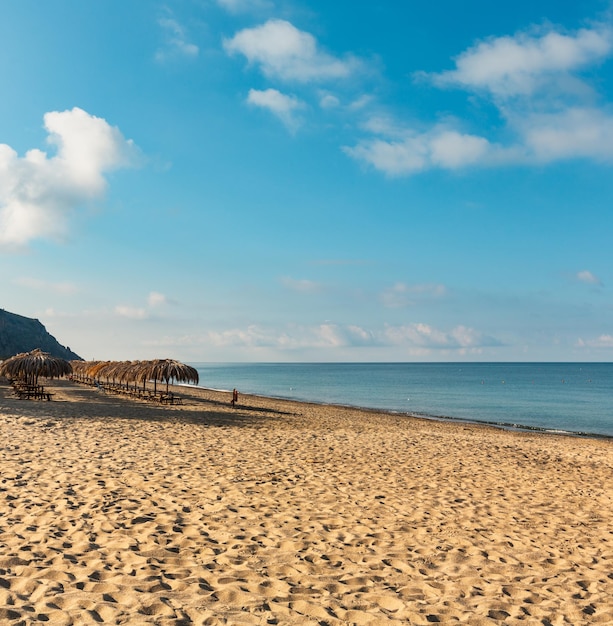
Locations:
(117, 511)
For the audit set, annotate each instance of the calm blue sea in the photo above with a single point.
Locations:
(573, 397)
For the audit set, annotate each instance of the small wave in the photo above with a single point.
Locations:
(204, 388)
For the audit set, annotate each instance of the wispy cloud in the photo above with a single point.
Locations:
(338, 335)
(602, 341)
(252, 336)
(245, 6)
(134, 313)
(402, 295)
(176, 43)
(284, 52)
(156, 299)
(301, 285)
(426, 336)
(329, 101)
(65, 288)
(410, 337)
(413, 152)
(282, 106)
(326, 335)
(38, 192)
(535, 81)
(585, 276)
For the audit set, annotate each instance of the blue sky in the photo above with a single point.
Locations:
(271, 180)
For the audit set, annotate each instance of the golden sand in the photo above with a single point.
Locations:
(117, 511)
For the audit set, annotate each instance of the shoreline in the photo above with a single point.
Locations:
(115, 510)
(425, 416)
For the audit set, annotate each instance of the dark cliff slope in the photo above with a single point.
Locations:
(22, 334)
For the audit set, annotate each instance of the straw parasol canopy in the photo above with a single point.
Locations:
(166, 370)
(128, 372)
(30, 365)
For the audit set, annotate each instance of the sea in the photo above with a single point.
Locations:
(572, 398)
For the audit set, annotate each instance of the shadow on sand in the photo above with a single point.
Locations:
(73, 400)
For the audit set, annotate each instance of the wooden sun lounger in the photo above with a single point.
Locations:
(33, 394)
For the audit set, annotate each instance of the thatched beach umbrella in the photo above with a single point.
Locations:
(94, 371)
(30, 365)
(131, 372)
(78, 368)
(13, 366)
(166, 370)
(113, 371)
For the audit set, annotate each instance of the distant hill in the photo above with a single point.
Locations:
(22, 334)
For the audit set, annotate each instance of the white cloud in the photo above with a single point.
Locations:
(575, 132)
(469, 337)
(395, 158)
(328, 101)
(64, 288)
(252, 336)
(176, 43)
(337, 336)
(301, 285)
(329, 335)
(361, 102)
(38, 192)
(419, 335)
(322, 336)
(451, 149)
(385, 126)
(519, 65)
(603, 341)
(283, 51)
(585, 276)
(282, 106)
(417, 152)
(156, 299)
(131, 312)
(546, 106)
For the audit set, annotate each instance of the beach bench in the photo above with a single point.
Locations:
(33, 394)
(170, 398)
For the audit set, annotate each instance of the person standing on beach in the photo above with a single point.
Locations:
(234, 397)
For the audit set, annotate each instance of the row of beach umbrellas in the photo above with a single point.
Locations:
(163, 370)
(28, 366)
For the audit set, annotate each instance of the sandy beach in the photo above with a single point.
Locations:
(117, 511)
